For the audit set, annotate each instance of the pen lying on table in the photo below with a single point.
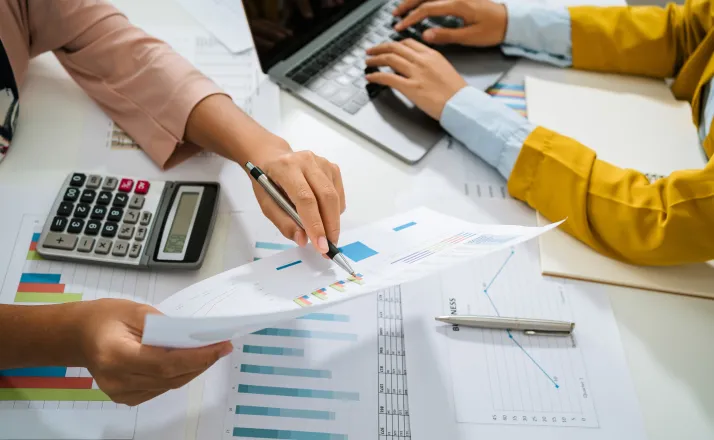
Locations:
(287, 206)
(528, 326)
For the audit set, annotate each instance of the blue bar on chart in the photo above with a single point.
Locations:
(35, 372)
(285, 412)
(289, 435)
(297, 392)
(357, 251)
(313, 334)
(326, 317)
(286, 371)
(404, 226)
(273, 351)
(43, 278)
(273, 246)
(294, 263)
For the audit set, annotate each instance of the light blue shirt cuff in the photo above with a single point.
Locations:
(487, 127)
(539, 32)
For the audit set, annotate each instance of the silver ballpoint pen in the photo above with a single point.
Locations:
(277, 195)
(527, 326)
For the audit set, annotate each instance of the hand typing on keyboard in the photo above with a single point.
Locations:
(420, 73)
(484, 22)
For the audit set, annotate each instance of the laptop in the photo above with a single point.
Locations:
(315, 49)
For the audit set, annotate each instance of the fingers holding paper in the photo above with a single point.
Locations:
(127, 371)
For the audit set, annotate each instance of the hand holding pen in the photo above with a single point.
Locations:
(284, 202)
(314, 185)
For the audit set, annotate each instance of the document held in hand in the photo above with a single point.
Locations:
(249, 298)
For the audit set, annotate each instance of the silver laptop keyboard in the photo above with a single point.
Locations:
(337, 72)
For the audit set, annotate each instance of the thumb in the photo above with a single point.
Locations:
(448, 36)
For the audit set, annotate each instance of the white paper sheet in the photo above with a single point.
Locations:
(623, 110)
(470, 383)
(299, 281)
(225, 19)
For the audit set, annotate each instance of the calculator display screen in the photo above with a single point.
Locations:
(178, 234)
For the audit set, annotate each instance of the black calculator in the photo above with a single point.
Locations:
(125, 221)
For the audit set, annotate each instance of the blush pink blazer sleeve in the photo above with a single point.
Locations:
(139, 81)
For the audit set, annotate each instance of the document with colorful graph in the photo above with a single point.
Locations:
(60, 402)
(299, 281)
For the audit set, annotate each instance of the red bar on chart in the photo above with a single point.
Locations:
(40, 288)
(59, 383)
(33, 246)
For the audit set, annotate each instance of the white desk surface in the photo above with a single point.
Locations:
(667, 338)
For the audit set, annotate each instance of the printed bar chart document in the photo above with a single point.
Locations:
(299, 281)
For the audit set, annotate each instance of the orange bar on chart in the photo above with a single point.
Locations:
(40, 288)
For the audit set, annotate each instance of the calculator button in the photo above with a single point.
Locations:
(126, 231)
(135, 250)
(86, 244)
(58, 224)
(104, 198)
(88, 196)
(82, 210)
(109, 229)
(65, 209)
(99, 212)
(140, 233)
(104, 245)
(142, 187)
(120, 248)
(145, 218)
(60, 241)
(75, 226)
(115, 214)
(94, 181)
(93, 227)
(71, 195)
(132, 216)
(126, 185)
(77, 179)
(110, 183)
(137, 202)
(120, 200)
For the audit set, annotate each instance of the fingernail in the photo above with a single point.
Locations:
(322, 244)
(428, 34)
(296, 238)
(228, 349)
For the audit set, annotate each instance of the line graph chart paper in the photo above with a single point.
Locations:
(503, 377)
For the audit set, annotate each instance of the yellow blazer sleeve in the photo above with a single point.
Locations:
(615, 211)
(643, 40)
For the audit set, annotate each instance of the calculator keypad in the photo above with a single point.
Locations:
(103, 217)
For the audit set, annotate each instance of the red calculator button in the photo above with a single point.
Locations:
(126, 185)
(142, 187)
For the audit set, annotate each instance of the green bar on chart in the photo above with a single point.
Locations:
(33, 255)
(34, 394)
(47, 298)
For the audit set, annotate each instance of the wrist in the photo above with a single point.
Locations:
(46, 335)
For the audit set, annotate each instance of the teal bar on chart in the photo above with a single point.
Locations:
(287, 435)
(273, 351)
(357, 251)
(294, 263)
(285, 412)
(42, 278)
(314, 334)
(404, 226)
(297, 392)
(273, 246)
(286, 371)
(326, 317)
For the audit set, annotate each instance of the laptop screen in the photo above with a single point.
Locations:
(282, 27)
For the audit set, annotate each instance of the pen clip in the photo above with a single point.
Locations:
(546, 333)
